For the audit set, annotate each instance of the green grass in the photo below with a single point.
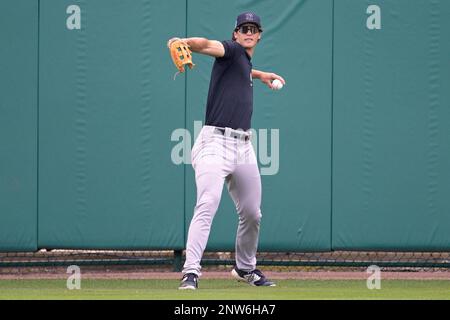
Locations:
(224, 290)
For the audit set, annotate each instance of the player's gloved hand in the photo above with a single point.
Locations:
(180, 53)
(169, 42)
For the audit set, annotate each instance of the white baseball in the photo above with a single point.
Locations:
(276, 84)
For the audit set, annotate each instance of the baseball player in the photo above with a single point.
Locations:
(223, 151)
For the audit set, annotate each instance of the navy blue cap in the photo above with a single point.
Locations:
(248, 17)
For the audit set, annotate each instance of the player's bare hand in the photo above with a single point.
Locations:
(268, 77)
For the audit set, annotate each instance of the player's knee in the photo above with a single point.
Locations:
(208, 202)
(252, 213)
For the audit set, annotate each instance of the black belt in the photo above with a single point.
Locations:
(236, 135)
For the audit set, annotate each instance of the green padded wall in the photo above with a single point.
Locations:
(296, 202)
(391, 133)
(18, 125)
(108, 106)
(92, 121)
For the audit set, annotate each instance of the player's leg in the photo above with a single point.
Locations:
(210, 171)
(209, 190)
(244, 187)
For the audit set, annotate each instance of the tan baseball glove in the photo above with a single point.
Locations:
(180, 53)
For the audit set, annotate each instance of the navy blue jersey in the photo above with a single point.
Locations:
(230, 96)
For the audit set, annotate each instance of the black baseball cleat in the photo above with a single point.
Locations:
(189, 282)
(253, 278)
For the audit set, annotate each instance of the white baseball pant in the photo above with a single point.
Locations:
(218, 157)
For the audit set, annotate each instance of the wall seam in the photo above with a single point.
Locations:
(37, 121)
(185, 126)
(332, 122)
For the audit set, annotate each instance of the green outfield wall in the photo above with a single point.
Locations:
(95, 132)
(391, 132)
(18, 124)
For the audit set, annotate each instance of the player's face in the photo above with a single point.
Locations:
(247, 35)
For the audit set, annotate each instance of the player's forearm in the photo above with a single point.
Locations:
(197, 44)
(266, 77)
(256, 74)
(211, 48)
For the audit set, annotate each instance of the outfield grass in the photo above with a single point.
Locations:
(224, 290)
